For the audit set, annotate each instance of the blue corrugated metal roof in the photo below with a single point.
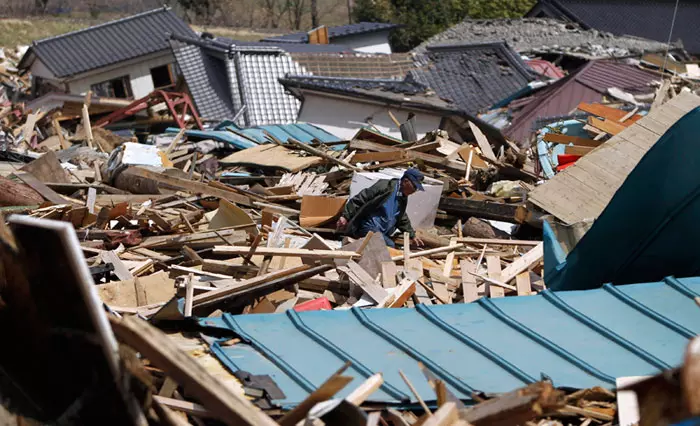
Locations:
(578, 339)
(228, 132)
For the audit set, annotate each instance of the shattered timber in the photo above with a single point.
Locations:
(311, 229)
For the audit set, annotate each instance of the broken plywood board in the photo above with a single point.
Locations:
(273, 156)
(229, 214)
(47, 168)
(571, 196)
(140, 291)
(317, 210)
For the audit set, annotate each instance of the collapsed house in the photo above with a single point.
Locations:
(175, 258)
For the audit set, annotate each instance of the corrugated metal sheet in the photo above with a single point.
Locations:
(578, 339)
(648, 229)
(243, 138)
(589, 84)
(583, 190)
(108, 43)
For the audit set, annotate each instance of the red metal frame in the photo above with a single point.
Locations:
(172, 99)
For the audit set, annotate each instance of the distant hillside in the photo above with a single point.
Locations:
(283, 15)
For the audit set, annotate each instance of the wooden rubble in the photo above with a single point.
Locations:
(264, 240)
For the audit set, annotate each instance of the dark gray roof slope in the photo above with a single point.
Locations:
(642, 18)
(405, 92)
(106, 44)
(337, 32)
(474, 76)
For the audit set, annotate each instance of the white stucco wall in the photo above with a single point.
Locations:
(139, 72)
(370, 43)
(38, 69)
(344, 118)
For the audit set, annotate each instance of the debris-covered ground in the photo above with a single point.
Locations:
(138, 266)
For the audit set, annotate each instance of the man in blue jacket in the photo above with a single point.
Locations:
(382, 208)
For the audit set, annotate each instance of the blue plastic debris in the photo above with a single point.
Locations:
(579, 339)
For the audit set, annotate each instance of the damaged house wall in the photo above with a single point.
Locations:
(323, 111)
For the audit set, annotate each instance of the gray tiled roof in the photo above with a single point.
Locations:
(289, 47)
(473, 76)
(337, 32)
(223, 77)
(106, 44)
(406, 92)
(207, 80)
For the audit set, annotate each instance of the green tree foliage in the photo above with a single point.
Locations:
(421, 19)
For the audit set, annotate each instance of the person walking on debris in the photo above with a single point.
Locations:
(382, 208)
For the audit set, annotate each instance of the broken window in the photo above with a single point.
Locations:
(163, 77)
(119, 87)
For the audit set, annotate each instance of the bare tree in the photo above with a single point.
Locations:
(274, 10)
(314, 14)
(297, 9)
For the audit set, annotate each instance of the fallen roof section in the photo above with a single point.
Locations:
(474, 76)
(641, 18)
(583, 190)
(589, 84)
(646, 230)
(106, 44)
(543, 35)
(404, 92)
(493, 345)
(337, 32)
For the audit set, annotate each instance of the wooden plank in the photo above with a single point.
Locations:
(367, 388)
(575, 140)
(415, 272)
(112, 199)
(319, 153)
(523, 263)
(446, 415)
(327, 390)
(227, 406)
(362, 279)
(120, 270)
(577, 150)
(604, 111)
(522, 283)
(483, 142)
(367, 157)
(433, 160)
(496, 241)
(90, 202)
(428, 252)
(272, 156)
(469, 285)
(493, 267)
(389, 271)
(190, 186)
(607, 126)
(41, 188)
(400, 295)
(188, 407)
(291, 252)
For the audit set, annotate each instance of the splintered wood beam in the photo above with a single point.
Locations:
(290, 252)
(523, 263)
(319, 153)
(493, 265)
(326, 391)
(517, 407)
(152, 343)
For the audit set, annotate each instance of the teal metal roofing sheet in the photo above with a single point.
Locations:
(648, 229)
(578, 339)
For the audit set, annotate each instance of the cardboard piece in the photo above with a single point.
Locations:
(229, 214)
(317, 210)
